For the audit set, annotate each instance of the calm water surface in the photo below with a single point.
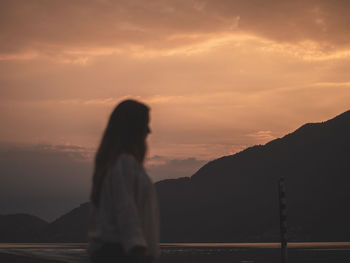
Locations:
(327, 252)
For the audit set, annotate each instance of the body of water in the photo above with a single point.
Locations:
(320, 252)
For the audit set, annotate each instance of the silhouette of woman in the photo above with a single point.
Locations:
(123, 223)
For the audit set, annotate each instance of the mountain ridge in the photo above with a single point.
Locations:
(298, 131)
(235, 198)
(21, 227)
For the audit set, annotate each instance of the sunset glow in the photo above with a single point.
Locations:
(219, 76)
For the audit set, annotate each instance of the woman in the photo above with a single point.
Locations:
(123, 225)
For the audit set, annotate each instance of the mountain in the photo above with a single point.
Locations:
(20, 228)
(71, 227)
(235, 198)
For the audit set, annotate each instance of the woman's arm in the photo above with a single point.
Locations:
(124, 179)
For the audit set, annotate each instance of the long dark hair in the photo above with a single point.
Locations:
(126, 132)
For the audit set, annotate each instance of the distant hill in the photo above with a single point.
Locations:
(20, 228)
(71, 227)
(235, 198)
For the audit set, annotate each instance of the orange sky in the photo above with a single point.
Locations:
(218, 75)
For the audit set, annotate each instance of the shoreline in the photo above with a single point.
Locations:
(14, 258)
(203, 254)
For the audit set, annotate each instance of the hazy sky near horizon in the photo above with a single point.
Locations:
(218, 75)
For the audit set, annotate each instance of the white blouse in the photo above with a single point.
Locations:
(127, 211)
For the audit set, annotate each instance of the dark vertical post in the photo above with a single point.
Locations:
(283, 219)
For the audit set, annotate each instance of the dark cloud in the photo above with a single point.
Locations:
(51, 26)
(42, 179)
(164, 168)
(47, 180)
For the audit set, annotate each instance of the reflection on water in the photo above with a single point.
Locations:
(65, 252)
(199, 252)
(262, 245)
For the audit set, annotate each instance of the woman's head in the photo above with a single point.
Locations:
(126, 132)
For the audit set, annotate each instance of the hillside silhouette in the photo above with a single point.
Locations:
(235, 198)
(21, 228)
(71, 227)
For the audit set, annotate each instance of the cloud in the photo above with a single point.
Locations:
(262, 137)
(218, 75)
(160, 167)
(211, 71)
(44, 180)
(66, 27)
(49, 180)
